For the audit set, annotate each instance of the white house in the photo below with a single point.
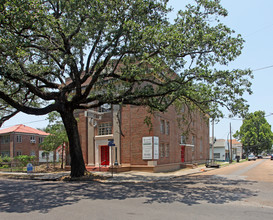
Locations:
(47, 156)
(219, 150)
(222, 148)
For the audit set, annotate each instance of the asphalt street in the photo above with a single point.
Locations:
(234, 192)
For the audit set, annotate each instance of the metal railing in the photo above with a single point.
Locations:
(102, 164)
(17, 166)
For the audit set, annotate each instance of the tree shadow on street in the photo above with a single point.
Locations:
(27, 196)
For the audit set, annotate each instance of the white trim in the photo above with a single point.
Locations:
(188, 145)
(102, 137)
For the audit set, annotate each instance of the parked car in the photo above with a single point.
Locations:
(271, 157)
(260, 157)
(251, 157)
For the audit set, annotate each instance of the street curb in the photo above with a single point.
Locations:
(126, 178)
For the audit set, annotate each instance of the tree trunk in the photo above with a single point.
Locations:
(77, 164)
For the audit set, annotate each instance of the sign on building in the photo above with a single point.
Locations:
(150, 148)
(156, 148)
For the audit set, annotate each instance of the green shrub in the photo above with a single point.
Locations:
(5, 166)
(24, 159)
(5, 159)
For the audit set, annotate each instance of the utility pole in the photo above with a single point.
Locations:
(228, 147)
(230, 144)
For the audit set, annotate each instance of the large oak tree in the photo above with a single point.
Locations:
(255, 133)
(82, 54)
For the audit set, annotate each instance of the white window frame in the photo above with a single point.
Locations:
(162, 150)
(105, 128)
(18, 138)
(32, 153)
(167, 128)
(167, 150)
(5, 139)
(32, 139)
(182, 139)
(162, 126)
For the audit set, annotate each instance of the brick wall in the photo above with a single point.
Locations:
(25, 147)
(134, 128)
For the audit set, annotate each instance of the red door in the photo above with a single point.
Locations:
(104, 150)
(182, 154)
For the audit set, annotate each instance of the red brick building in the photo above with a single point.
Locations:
(161, 146)
(20, 140)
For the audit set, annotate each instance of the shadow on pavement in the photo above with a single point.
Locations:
(27, 196)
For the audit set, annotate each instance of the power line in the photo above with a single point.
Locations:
(240, 119)
(263, 28)
(266, 67)
(24, 123)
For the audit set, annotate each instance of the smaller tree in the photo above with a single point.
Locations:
(57, 135)
(255, 133)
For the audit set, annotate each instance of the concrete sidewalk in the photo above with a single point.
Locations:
(134, 176)
(34, 176)
(108, 177)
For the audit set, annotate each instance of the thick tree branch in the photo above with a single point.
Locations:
(26, 109)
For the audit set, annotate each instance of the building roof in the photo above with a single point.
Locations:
(22, 129)
(220, 143)
(235, 142)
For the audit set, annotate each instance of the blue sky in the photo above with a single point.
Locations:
(253, 19)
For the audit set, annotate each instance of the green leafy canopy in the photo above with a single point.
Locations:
(68, 55)
(255, 133)
(127, 43)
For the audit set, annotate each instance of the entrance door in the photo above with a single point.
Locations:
(182, 154)
(104, 150)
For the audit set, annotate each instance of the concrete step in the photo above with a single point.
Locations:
(97, 169)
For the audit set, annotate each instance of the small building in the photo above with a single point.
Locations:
(129, 138)
(45, 156)
(20, 140)
(237, 149)
(221, 149)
